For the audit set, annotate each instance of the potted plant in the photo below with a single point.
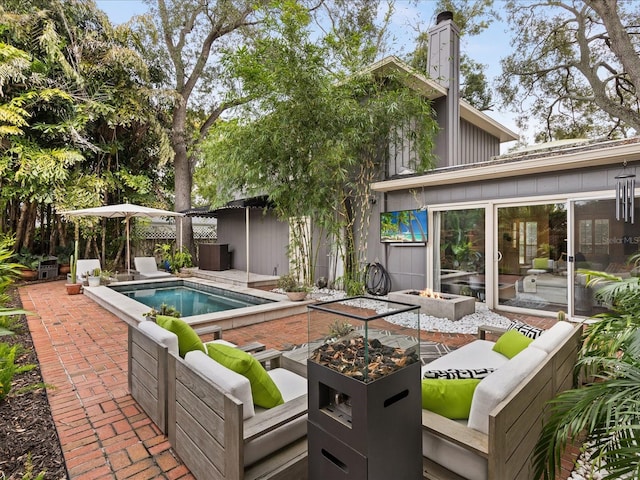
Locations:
(166, 310)
(93, 278)
(73, 287)
(28, 265)
(292, 288)
(173, 261)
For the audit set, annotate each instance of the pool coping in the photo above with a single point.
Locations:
(132, 312)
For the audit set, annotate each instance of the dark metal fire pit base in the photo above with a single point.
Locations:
(376, 436)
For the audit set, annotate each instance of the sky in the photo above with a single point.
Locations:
(487, 48)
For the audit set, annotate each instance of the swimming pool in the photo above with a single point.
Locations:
(190, 300)
(266, 305)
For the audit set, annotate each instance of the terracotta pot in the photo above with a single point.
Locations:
(29, 274)
(73, 288)
(296, 296)
(64, 269)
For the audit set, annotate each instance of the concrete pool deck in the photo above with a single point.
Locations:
(132, 311)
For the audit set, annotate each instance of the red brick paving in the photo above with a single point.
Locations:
(82, 353)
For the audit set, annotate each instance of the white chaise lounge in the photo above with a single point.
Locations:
(147, 267)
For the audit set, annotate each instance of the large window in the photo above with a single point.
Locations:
(593, 236)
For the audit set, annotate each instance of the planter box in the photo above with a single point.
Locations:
(453, 307)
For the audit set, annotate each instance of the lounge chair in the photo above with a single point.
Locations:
(147, 268)
(87, 265)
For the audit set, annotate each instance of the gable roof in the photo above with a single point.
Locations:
(432, 90)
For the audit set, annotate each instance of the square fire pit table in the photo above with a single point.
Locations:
(445, 305)
(364, 392)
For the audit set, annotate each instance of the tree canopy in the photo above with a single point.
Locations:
(315, 137)
(575, 67)
(76, 121)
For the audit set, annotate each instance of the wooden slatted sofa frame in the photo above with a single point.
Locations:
(166, 388)
(515, 424)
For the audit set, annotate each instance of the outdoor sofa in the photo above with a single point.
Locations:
(507, 407)
(207, 410)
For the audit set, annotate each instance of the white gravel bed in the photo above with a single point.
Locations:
(468, 324)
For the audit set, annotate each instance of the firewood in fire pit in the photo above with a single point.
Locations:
(348, 358)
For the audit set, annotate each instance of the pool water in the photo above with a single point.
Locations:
(190, 301)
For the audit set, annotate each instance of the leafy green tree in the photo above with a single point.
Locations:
(313, 138)
(78, 125)
(575, 67)
(603, 412)
(188, 44)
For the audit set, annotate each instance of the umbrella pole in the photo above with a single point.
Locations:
(128, 250)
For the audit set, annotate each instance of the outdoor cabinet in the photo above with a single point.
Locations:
(214, 256)
(363, 423)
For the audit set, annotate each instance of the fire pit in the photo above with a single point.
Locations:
(441, 305)
(364, 393)
(364, 361)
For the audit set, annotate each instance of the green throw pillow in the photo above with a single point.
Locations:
(449, 398)
(188, 339)
(264, 391)
(511, 343)
(541, 263)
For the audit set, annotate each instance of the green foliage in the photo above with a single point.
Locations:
(339, 328)
(289, 283)
(555, 74)
(76, 117)
(28, 471)
(606, 409)
(166, 310)
(9, 369)
(176, 258)
(314, 138)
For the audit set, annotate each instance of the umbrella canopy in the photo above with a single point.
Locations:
(124, 210)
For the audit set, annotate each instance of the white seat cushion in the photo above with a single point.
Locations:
(290, 384)
(161, 335)
(453, 457)
(228, 380)
(475, 355)
(551, 338)
(497, 386)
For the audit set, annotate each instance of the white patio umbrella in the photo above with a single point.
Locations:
(125, 210)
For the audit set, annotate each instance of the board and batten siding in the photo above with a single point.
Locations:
(268, 240)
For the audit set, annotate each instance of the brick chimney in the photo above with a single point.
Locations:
(444, 68)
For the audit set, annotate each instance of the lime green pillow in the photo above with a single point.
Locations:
(449, 398)
(188, 339)
(511, 343)
(264, 391)
(541, 263)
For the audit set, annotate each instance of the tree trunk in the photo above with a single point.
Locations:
(183, 178)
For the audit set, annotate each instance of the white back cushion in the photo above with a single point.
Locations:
(494, 389)
(160, 335)
(475, 355)
(550, 339)
(227, 380)
(145, 264)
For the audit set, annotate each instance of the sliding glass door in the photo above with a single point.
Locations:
(460, 252)
(600, 243)
(531, 253)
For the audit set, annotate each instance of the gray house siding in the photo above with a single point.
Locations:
(476, 144)
(407, 265)
(269, 238)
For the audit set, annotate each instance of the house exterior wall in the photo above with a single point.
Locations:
(269, 238)
(407, 265)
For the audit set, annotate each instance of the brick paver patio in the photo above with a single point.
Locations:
(82, 352)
